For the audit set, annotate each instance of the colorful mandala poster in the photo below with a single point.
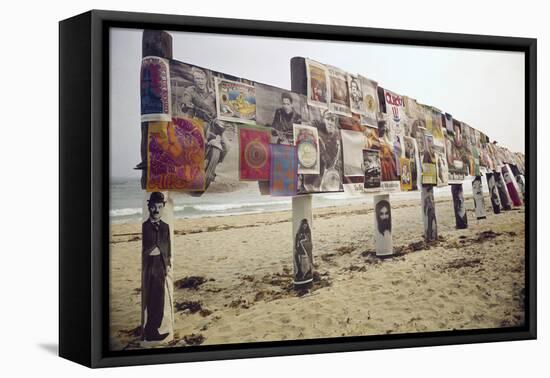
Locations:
(254, 159)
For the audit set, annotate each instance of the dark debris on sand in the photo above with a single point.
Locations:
(192, 307)
(191, 282)
(194, 339)
(134, 332)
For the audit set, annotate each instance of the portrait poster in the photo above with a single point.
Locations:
(236, 102)
(457, 168)
(411, 153)
(284, 168)
(437, 128)
(331, 167)
(505, 200)
(428, 213)
(306, 141)
(493, 192)
(302, 226)
(370, 99)
(353, 143)
(280, 110)
(356, 97)
(479, 200)
(461, 216)
(406, 176)
(254, 159)
(372, 167)
(390, 178)
(383, 243)
(175, 155)
(155, 89)
(350, 123)
(441, 167)
(157, 276)
(339, 92)
(318, 85)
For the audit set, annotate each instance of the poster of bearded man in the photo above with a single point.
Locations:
(479, 201)
(461, 217)
(382, 233)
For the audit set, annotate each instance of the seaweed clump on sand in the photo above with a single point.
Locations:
(191, 282)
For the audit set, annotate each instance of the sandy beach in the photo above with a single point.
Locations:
(233, 276)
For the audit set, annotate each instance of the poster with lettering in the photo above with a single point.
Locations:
(395, 112)
(370, 98)
(283, 170)
(254, 159)
(176, 155)
(339, 92)
(155, 89)
(318, 86)
(236, 102)
(306, 140)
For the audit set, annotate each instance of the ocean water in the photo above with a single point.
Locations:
(126, 199)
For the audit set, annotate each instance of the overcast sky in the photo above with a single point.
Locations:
(483, 88)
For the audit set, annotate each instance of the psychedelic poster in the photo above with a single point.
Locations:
(370, 98)
(330, 174)
(284, 167)
(317, 84)
(236, 102)
(388, 161)
(155, 89)
(339, 92)
(254, 159)
(306, 140)
(371, 159)
(176, 155)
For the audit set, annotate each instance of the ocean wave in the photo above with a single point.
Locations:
(124, 212)
(217, 207)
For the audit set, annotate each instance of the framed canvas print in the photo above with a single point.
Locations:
(234, 188)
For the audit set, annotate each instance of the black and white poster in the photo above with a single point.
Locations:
(479, 201)
(382, 225)
(428, 213)
(302, 240)
(371, 159)
(461, 216)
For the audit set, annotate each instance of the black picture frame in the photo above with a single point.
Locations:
(84, 186)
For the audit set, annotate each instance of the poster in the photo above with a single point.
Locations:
(505, 200)
(372, 140)
(176, 156)
(493, 192)
(254, 159)
(370, 99)
(157, 277)
(479, 200)
(155, 89)
(302, 226)
(511, 185)
(236, 102)
(353, 143)
(461, 216)
(441, 167)
(330, 174)
(382, 225)
(406, 176)
(280, 110)
(428, 213)
(411, 153)
(356, 96)
(284, 167)
(371, 159)
(317, 84)
(339, 92)
(306, 140)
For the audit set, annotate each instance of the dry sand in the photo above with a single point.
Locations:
(236, 274)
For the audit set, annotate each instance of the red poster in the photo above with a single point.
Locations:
(254, 161)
